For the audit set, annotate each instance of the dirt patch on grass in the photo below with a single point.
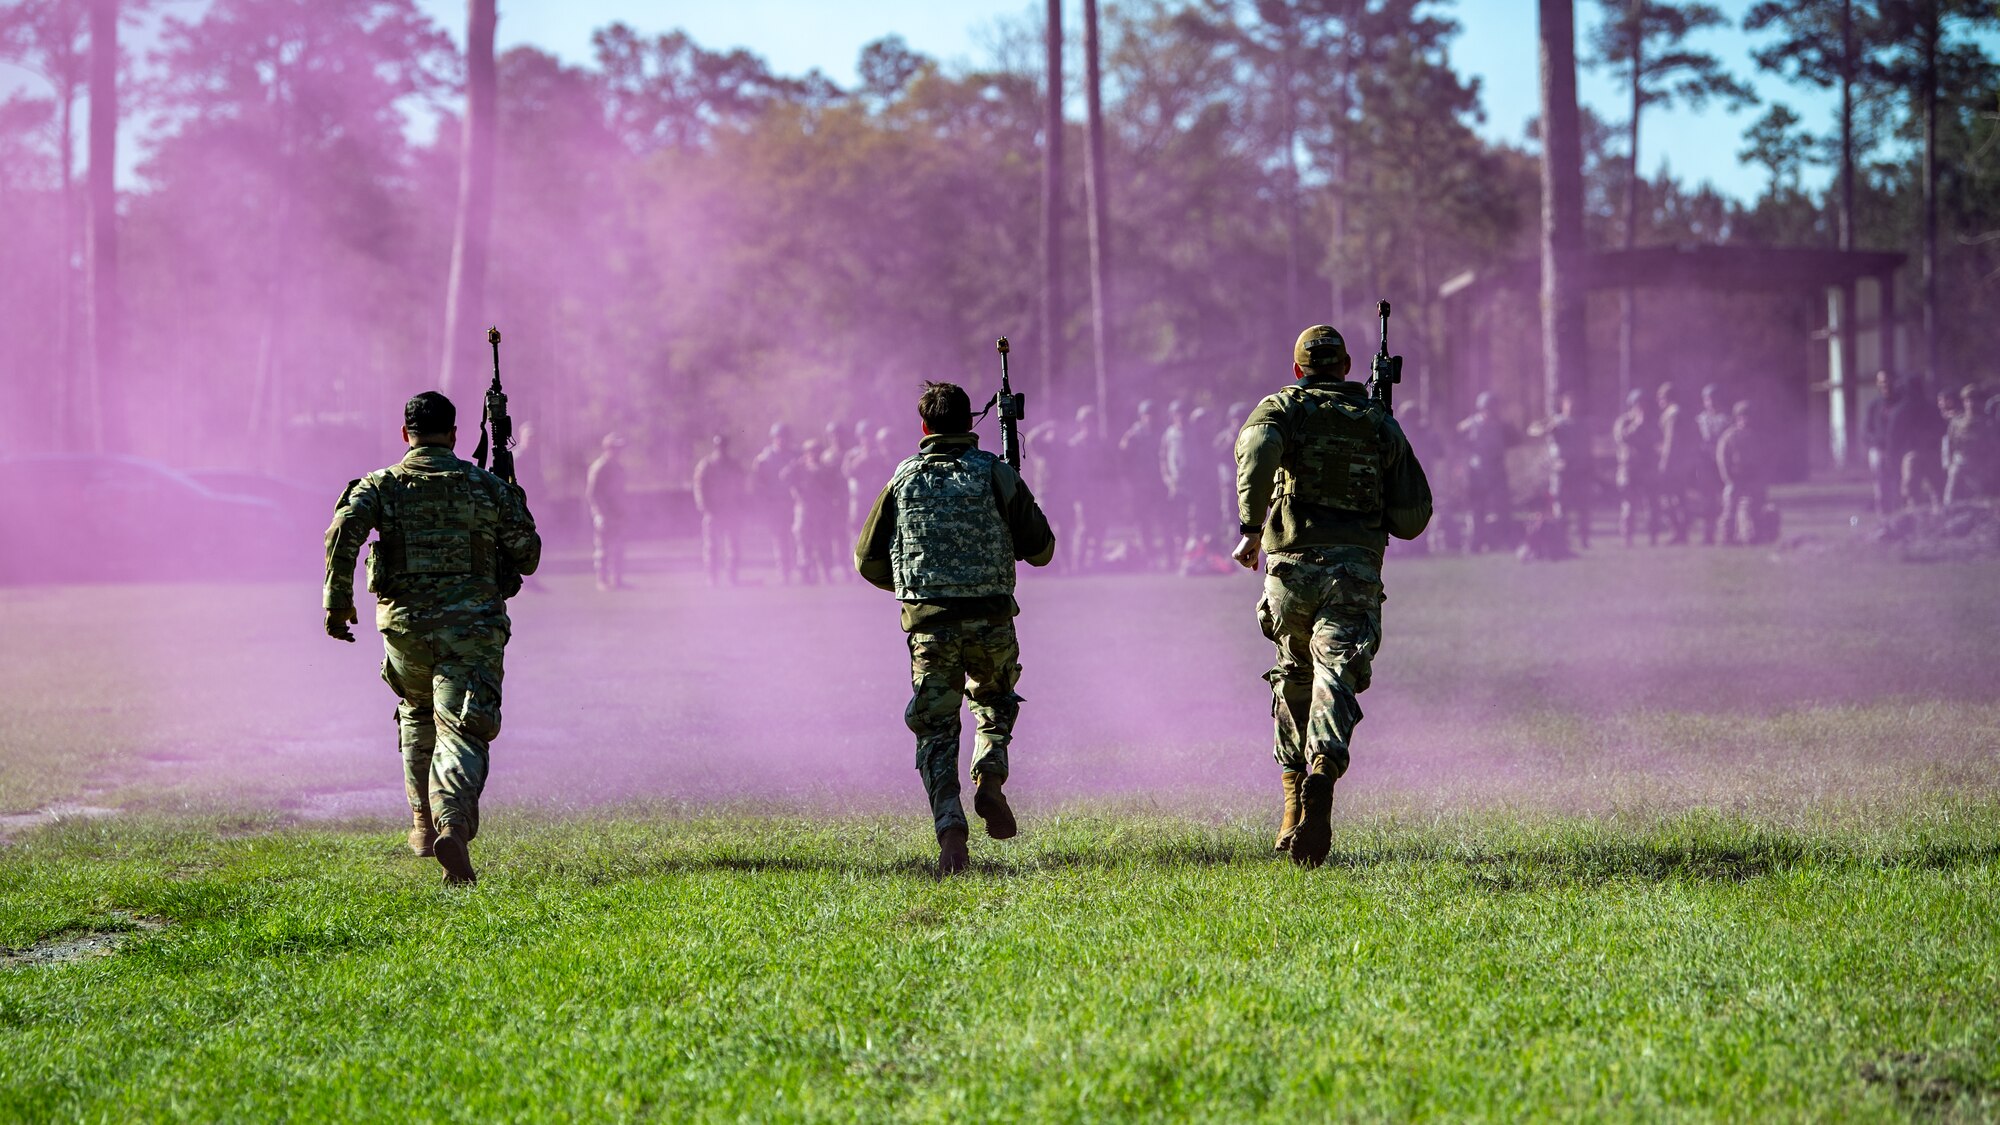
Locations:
(68, 948)
(1933, 1082)
(11, 823)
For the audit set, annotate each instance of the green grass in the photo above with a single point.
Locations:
(650, 966)
(1654, 834)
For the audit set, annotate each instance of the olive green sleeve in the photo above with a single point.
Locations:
(1406, 492)
(871, 550)
(1259, 449)
(353, 518)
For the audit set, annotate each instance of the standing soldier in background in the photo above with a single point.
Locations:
(1489, 496)
(452, 543)
(1679, 451)
(719, 494)
(773, 498)
(1145, 493)
(1336, 477)
(1088, 476)
(867, 463)
(1710, 425)
(944, 536)
(1570, 477)
(604, 492)
(1879, 429)
(819, 508)
(1746, 480)
(1173, 470)
(1966, 452)
(1921, 442)
(1637, 466)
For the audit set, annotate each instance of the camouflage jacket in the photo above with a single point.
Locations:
(1295, 524)
(1033, 541)
(414, 602)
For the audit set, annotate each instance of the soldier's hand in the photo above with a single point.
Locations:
(337, 622)
(1246, 552)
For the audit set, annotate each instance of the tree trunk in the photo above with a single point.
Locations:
(1052, 142)
(1342, 112)
(1100, 230)
(106, 419)
(465, 296)
(65, 422)
(1847, 64)
(1288, 118)
(1930, 111)
(1562, 207)
(1627, 310)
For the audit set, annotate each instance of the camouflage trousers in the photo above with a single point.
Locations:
(448, 679)
(976, 661)
(1323, 609)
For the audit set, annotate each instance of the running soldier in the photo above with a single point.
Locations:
(1336, 477)
(944, 536)
(452, 542)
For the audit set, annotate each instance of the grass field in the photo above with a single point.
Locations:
(1659, 834)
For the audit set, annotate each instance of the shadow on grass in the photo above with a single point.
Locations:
(1500, 870)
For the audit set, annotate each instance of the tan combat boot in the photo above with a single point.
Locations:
(423, 834)
(952, 854)
(991, 805)
(1313, 837)
(1291, 780)
(455, 856)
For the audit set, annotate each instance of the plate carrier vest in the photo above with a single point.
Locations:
(434, 525)
(1333, 454)
(950, 540)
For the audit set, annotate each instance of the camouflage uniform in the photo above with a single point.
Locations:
(1337, 478)
(1744, 466)
(944, 536)
(453, 541)
(719, 494)
(1637, 471)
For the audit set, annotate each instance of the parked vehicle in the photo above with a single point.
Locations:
(109, 517)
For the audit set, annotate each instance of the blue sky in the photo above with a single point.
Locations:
(1497, 44)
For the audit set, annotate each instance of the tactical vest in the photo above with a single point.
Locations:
(950, 539)
(435, 526)
(1333, 452)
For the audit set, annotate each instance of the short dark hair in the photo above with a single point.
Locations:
(945, 408)
(429, 413)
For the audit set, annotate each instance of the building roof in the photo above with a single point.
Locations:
(1717, 268)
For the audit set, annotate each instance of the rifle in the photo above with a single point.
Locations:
(495, 415)
(1013, 408)
(1387, 370)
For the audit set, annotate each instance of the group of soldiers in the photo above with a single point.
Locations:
(1931, 455)
(1322, 476)
(1167, 482)
(1678, 473)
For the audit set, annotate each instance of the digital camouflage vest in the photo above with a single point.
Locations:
(951, 541)
(1333, 452)
(436, 538)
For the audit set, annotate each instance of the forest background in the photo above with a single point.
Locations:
(685, 242)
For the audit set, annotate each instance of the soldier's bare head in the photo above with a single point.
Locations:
(945, 409)
(430, 419)
(1321, 352)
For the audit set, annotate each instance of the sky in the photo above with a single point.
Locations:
(1497, 44)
